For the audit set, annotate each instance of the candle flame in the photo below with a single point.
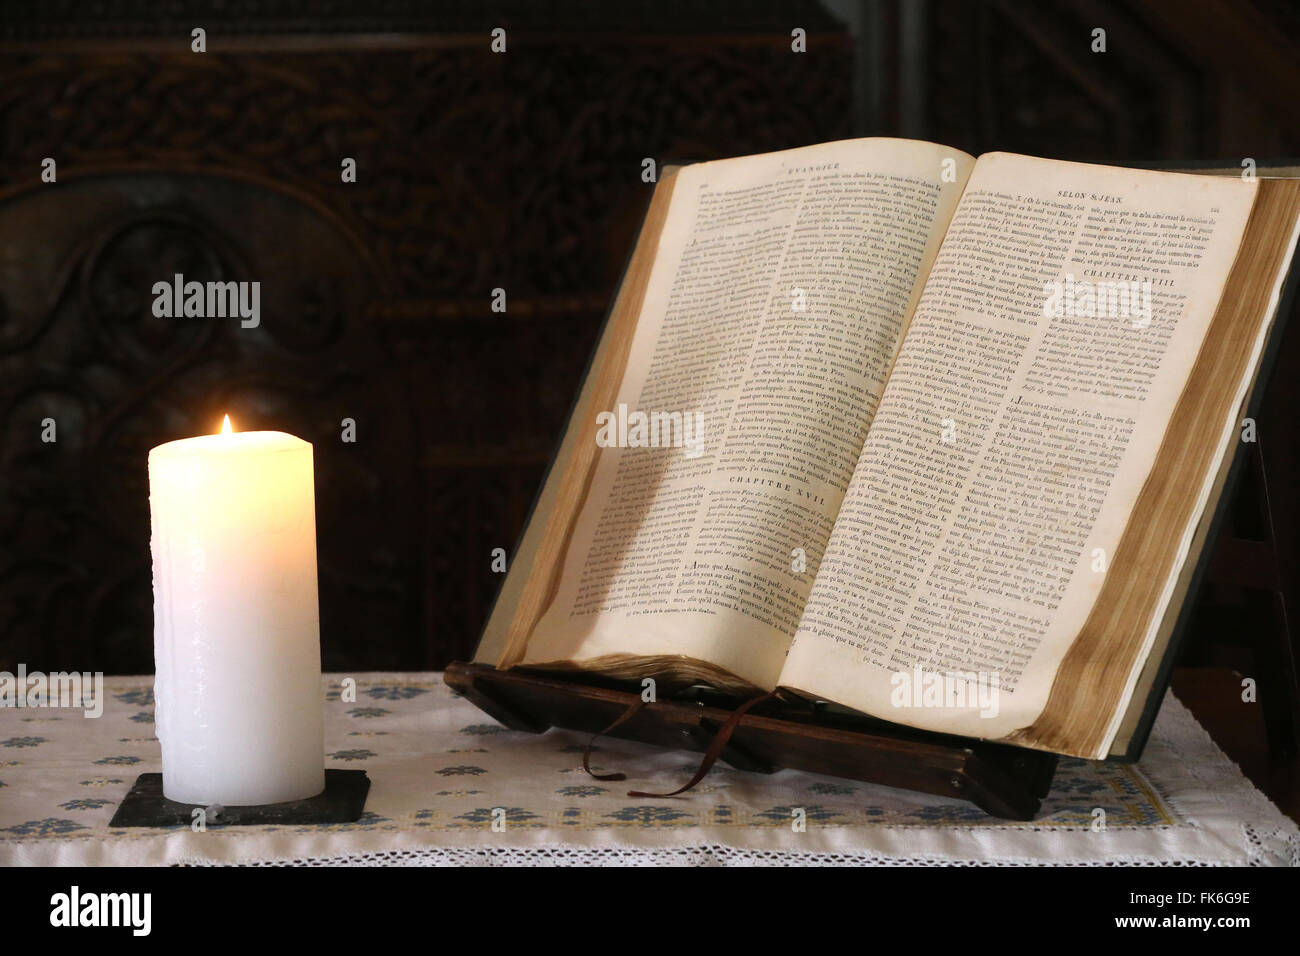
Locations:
(225, 426)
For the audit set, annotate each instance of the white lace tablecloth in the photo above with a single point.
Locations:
(442, 772)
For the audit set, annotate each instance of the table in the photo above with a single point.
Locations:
(450, 786)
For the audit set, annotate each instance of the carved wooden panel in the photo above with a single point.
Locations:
(475, 171)
(80, 345)
(1210, 80)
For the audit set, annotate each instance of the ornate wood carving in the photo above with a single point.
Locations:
(1209, 80)
(475, 172)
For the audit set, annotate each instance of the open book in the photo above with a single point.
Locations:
(932, 438)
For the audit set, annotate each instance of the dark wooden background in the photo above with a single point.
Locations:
(475, 171)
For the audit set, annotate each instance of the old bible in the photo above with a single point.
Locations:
(928, 437)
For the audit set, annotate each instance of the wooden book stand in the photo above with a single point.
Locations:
(1257, 556)
(1004, 781)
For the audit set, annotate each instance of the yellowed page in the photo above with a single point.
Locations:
(1011, 444)
(780, 291)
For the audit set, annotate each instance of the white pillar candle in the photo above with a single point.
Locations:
(237, 690)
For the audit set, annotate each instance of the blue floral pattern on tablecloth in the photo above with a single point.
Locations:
(438, 765)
